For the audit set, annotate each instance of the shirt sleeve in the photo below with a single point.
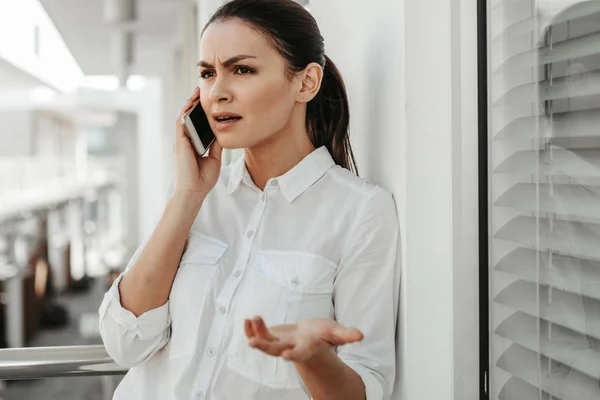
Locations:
(128, 339)
(366, 292)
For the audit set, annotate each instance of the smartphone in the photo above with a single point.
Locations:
(198, 129)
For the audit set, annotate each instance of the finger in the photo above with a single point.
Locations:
(343, 335)
(192, 100)
(185, 108)
(180, 130)
(195, 94)
(274, 348)
(182, 140)
(179, 145)
(248, 328)
(188, 104)
(261, 329)
(216, 150)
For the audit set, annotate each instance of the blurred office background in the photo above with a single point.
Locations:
(88, 95)
(482, 117)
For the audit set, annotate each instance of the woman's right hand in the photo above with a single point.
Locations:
(195, 175)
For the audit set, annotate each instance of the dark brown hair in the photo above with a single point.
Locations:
(294, 33)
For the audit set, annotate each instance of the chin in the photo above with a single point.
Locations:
(231, 143)
(235, 141)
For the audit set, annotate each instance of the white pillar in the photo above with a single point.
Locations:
(441, 284)
(152, 174)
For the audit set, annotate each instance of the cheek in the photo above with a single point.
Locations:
(270, 105)
(205, 102)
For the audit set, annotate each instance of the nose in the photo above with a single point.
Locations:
(220, 93)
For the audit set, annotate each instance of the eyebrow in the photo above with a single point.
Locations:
(226, 63)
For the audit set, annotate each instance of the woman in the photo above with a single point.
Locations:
(272, 278)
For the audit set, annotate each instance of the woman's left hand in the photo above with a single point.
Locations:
(299, 342)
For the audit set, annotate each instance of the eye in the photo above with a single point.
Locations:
(205, 74)
(243, 70)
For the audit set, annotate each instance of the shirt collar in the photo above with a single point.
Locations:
(294, 182)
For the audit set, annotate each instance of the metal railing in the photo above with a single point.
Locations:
(51, 362)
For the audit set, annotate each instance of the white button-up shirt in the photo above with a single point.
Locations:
(318, 242)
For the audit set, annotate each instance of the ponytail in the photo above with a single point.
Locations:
(328, 118)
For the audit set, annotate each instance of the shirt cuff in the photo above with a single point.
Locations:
(148, 325)
(373, 387)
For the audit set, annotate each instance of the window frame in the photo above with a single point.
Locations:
(483, 198)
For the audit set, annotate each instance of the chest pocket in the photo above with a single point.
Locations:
(190, 289)
(282, 288)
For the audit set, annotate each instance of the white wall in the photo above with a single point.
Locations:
(125, 131)
(153, 173)
(430, 135)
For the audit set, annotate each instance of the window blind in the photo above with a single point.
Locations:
(544, 211)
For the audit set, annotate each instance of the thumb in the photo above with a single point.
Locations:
(342, 335)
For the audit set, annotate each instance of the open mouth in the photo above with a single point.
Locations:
(225, 119)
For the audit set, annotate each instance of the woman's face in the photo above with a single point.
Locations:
(242, 75)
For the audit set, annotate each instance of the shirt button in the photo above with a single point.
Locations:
(250, 234)
(199, 395)
(237, 274)
(295, 281)
(211, 352)
(273, 182)
(222, 310)
(263, 197)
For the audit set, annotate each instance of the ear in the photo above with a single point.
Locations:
(310, 82)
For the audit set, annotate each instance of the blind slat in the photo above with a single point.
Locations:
(560, 272)
(558, 162)
(557, 343)
(531, 24)
(516, 388)
(578, 313)
(576, 239)
(558, 89)
(578, 47)
(560, 381)
(563, 125)
(567, 201)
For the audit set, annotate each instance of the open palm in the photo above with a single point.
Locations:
(299, 342)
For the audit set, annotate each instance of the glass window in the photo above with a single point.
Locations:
(544, 199)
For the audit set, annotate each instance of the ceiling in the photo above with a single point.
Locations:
(14, 78)
(85, 32)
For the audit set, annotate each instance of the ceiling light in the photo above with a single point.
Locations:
(136, 83)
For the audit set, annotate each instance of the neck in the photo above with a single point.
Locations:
(277, 155)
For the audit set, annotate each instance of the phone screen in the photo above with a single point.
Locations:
(200, 121)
